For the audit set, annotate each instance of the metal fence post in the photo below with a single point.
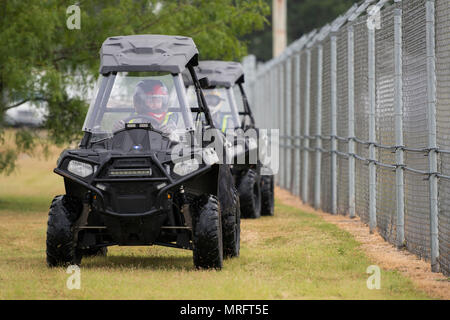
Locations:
(281, 114)
(273, 104)
(284, 118)
(282, 122)
(372, 131)
(298, 126)
(317, 183)
(267, 102)
(276, 100)
(351, 121)
(432, 145)
(333, 124)
(399, 153)
(261, 103)
(288, 119)
(305, 186)
(267, 99)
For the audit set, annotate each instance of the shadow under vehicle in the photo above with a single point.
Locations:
(132, 182)
(231, 113)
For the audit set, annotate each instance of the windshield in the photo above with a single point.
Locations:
(221, 104)
(155, 98)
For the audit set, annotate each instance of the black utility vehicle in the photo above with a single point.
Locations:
(231, 113)
(131, 181)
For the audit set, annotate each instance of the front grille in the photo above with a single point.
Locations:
(130, 168)
(130, 185)
(130, 197)
(144, 172)
(132, 162)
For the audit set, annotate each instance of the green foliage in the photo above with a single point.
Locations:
(40, 56)
(306, 15)
(7, 159)
(303, 16)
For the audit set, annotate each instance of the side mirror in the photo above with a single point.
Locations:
(204, 83)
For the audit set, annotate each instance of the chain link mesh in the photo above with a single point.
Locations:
(415, 125)
(443, 126)
(297, 125)
(342, 120)
(416, 76)
(325, 182)
(293, 123)
(385, 128)
(313, 122)
(361, 117)
(302, 110)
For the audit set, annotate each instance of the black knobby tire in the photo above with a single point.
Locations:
(61, 247)
(231, 227)
(250, 195)
(267, 196)
(207, 234)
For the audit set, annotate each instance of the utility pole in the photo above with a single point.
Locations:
(279, 10)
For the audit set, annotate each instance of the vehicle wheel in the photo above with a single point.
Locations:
(250, 196)
(267, 196)
(61, 247)
(207, 233)
(231, 227)
(94, 252)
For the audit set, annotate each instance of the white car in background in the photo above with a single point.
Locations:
(33, 114)
(27, 114)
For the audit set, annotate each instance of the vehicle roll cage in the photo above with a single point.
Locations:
(106, 87)
(200, 97)
(153, 53)
(247, 110)
(224, 74)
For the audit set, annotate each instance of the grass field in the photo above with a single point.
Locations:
(294, 255)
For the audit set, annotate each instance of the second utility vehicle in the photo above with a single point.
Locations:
(231, 113)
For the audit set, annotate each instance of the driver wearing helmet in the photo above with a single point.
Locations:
(215, 102)
(150, 100)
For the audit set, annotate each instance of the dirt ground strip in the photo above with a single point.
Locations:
(379, 251)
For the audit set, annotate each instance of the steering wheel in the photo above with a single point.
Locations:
(152, 121)
(140, 116)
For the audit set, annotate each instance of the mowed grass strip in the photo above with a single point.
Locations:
(293, 255)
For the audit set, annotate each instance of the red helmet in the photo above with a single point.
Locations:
(151, 98)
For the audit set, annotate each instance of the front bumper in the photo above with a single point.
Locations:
(103, 201)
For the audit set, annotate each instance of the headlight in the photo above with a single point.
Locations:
(185, 167)
(210, 156)
(80, 168)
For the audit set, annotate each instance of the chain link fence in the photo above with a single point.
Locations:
(363, 108)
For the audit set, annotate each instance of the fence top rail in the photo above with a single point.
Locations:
(310, 39)
(300, 43)
(293, 48)
(324, 32)
(360, 10)
(341, 20)
(316, 36)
